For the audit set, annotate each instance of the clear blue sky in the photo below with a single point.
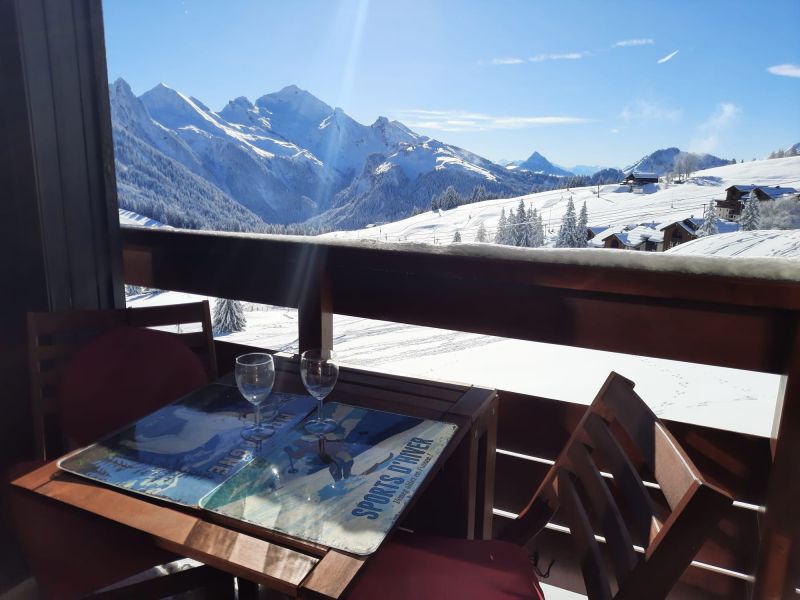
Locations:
(582, 82)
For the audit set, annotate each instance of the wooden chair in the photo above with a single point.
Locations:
(72, 553)
(597, 484)
(55, 337)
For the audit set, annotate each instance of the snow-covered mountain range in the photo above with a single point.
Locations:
(286, 158)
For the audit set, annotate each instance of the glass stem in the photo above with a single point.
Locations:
(258, 416)
(319, 409)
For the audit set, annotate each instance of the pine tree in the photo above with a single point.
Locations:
(710, 224)
(583, 224)
(228, 316)
(481, 235)
(478, 194)
(501, 235)
(521, 227)
(569, 223)
(457, 237)
(537, 233)
(449, 198)
(530, 219)
(750, 219)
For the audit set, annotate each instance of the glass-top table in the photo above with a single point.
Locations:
(195, 488)
(344, 489)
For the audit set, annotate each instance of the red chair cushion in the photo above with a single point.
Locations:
(123, 375)
(70, 552)
(421, 567)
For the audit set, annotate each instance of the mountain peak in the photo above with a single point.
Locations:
(120, 90)
(296, 101)
(119, 82)
(539, 164)
(162, 87)
(241, 102)
(172, 109)
(163, 92)
(240, 110)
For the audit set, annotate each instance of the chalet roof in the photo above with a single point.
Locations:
(692, 224)
(777, 191)
(745, 189)
(597, 229)
(642, 175)
(774, 191)
(637, 235)
(599, 238)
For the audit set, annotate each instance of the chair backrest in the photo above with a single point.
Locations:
(55, 337)
(597, 486)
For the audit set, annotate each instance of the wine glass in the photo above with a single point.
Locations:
(319, 370)
(255, 376)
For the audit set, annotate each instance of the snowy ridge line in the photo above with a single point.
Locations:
(756, 243)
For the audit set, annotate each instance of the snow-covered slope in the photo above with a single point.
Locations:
(726, 398)
(750, 244)
(615, 204)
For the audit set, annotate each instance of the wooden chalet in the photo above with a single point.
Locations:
(654, 237)
(679, 232)
(740, 193)
(640, 178)
(64, 250)
(646, 238)
(736, 195)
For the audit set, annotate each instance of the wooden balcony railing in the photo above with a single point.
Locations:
(703, 317)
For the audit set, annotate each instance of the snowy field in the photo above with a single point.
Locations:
(614, 204)
(725, 398)
(749, 244)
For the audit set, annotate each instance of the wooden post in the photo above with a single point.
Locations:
(315, 307)
(778, 572)
(57, 177)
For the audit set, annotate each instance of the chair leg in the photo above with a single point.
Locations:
(217, 585)
(247, 589)
(252, 591)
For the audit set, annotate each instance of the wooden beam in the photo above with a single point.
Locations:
(778, 573)
(731, 322)
(315, 313)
